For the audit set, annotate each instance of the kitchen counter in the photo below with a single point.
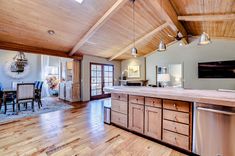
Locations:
(201, 96)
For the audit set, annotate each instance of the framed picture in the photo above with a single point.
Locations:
(133, 71)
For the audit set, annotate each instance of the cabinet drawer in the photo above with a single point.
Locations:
(176, 105)
(176, 139)
(153, 102)
(119, 119)
(176, 127)
(136, 99)
(176, 116)
(119, 96)
(119, 106)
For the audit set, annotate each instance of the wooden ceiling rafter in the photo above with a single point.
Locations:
(97, 25)
(36, 50)
(171, 17)
(141, 39)
(214, 17)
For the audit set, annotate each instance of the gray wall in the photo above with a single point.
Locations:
(190, 55)
(86, 73)
(135, 61)
(35, 68)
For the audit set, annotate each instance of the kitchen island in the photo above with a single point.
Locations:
(166, 114)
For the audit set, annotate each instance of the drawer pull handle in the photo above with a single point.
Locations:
(175, 118)
(175, 128)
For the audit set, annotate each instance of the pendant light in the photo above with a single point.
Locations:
(134, 50)
(204, 38)
(162, 45)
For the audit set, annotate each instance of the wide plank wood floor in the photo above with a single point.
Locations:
(78, 131)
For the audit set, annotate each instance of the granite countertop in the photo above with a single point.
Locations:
(202, 96)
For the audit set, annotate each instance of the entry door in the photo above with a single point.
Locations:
(101, 76)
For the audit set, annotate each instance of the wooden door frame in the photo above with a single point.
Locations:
(102, 81)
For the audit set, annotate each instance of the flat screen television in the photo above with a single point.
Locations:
(219, 69)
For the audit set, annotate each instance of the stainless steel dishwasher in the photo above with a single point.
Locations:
(214, 130)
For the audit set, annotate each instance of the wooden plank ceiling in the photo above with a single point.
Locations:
(104, 27)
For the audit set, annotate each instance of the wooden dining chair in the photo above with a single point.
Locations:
(25, 93)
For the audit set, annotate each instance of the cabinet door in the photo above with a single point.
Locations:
(153, 123)
(136, 117)
(62, 91)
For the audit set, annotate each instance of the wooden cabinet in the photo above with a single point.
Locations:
(153, 122)
(119, 96)
(70, 88)
(154, 102)
(177, 123)
(119, 109)
(119, 119)
(119, 106)
(181, 106)
(136, 117)
(176, 139)
(136, 99)
(167, 120)
(176, 127)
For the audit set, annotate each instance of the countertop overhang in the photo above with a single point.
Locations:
(192, 95)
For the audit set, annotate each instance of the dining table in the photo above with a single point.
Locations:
(10, 91)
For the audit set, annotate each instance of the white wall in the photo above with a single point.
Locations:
(190, 55)
(134, 62)
(35, 68)
(85, 81)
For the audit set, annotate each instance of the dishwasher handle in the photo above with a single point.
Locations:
(216, 111)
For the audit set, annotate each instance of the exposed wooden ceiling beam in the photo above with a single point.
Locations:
(36, 50)
(161, 27)
(169, 14)
(97, 25)
(218, 17)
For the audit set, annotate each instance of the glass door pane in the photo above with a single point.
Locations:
(96, 80)
(108, 75)
(101, 76)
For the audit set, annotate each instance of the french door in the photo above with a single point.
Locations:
(101, 75)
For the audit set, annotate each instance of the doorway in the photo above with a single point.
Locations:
(101, 75)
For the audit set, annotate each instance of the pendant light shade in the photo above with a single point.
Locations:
(134, 52)
(204, 39)
(162, 47)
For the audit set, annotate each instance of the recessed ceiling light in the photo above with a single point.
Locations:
(51, 32)
(79, 1)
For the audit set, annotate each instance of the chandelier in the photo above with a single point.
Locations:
(19, 63)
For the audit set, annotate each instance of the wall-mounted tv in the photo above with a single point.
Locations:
(219, 69)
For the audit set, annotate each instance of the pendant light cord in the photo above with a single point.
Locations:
(133, 20)
(203, 12)
(161, 16)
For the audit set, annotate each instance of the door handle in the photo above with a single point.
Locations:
(216, 111)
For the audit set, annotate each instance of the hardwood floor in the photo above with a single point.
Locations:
(79, 131)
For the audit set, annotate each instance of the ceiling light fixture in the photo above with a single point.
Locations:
(134, 50)
(204, 38)
(79, 1)
(162, 45)
(51, 32)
